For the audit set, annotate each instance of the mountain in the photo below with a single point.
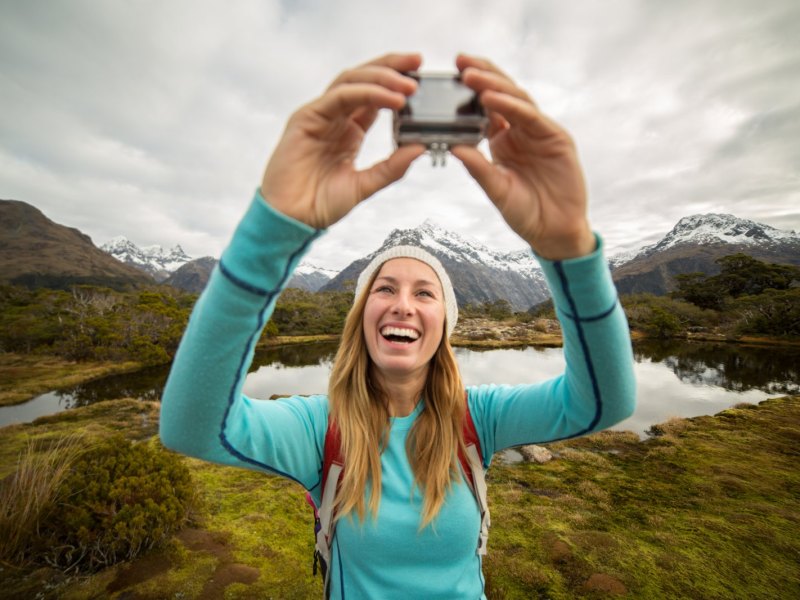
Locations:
(478, 273)
(193, 275)
(310, 278)
(36, 252)
(154, 260)
(694, 244)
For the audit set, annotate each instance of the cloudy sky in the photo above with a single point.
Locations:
(154, 119)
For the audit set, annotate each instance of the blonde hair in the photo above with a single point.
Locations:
(359, 407)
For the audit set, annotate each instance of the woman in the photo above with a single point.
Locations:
(407, 522)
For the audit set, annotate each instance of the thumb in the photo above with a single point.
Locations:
(484, 172)
(379, 175)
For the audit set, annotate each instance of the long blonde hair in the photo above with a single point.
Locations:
(359, 407)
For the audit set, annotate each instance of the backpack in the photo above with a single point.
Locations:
(333, 465)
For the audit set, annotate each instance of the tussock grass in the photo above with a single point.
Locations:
(710, 508)
(30, 491)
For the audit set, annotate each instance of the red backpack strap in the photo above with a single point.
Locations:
(332, 467)
(470, 434)
(473, 466)
(333, 450)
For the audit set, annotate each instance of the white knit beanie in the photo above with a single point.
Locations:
(450, 304)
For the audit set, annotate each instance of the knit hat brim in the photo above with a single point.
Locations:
(450, 303)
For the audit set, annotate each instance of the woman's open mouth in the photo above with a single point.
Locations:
(402, 335)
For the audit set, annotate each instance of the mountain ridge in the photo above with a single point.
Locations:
(37, 252)
(153, 259)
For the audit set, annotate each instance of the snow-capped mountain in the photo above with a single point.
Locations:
(714, 229)
(310, 277)
(478, 273)
(155, 260)
(694, 244)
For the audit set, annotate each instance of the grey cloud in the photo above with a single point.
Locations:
(172, 108)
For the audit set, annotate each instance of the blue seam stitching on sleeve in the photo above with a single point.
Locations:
(241, 283)
(269, 296)
(584, 347)
(599, 317)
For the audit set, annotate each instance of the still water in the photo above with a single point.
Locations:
(674, 379)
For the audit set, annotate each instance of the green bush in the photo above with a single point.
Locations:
(662, 323)
(119, 499)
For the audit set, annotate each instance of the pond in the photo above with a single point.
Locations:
(674, 378)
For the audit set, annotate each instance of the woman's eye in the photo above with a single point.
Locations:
(425, 293)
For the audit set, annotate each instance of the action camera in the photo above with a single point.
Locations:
(442, 113)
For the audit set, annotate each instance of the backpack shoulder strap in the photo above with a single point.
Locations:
(472, 465)
(332, 467)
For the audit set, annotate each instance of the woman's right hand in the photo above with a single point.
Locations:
(311, 175)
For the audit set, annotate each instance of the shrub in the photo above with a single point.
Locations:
(662, 324)
(119, 499)
(31, 490)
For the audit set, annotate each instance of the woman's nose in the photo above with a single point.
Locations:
(402, 303)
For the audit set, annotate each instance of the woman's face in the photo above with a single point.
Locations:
(404, 318)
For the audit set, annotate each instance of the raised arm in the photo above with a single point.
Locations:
(535, 180)
(310, 183)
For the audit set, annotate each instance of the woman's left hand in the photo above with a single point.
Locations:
(534, 178)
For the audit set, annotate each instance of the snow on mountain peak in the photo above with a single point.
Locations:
(442, 242)
(305, 268)
(152, 259)
(712, 228)
(715, 228)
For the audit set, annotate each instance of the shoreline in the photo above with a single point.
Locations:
(25, 376)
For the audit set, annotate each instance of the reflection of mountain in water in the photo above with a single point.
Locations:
(734, 367)
(729, 366)
(300, 355)
(148, 384)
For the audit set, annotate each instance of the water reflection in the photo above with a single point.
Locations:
(674, 378)
(775, 370)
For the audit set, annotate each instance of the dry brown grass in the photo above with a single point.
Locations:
(30, 490)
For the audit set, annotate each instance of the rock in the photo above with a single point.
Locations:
(536, 454)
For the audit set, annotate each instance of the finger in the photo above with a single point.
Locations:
(398, 61)
(365, 117)
(379, 75)
(465, 61)
(496, 124)
(344, 100)
(520, 113)
(480, 81)
(488, 176)
(380, 175)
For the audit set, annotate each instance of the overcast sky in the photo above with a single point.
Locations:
(154, 119)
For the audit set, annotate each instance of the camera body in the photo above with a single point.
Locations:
(442, 113)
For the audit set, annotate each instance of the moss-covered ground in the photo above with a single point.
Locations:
(710, 508)
(23, 376)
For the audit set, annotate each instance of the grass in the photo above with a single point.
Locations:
(27, 494)
(23, 376)
(708, 508)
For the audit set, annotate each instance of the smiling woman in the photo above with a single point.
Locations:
(395, 453)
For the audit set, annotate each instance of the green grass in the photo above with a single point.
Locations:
(708, 509)
(23, 376)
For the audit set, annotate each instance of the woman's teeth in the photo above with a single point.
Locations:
(399, 334)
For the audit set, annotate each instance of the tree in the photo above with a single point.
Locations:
(740, 275)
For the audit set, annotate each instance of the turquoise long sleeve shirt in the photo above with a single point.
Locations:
(205, 414)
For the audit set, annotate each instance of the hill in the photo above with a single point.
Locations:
(37, 252)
